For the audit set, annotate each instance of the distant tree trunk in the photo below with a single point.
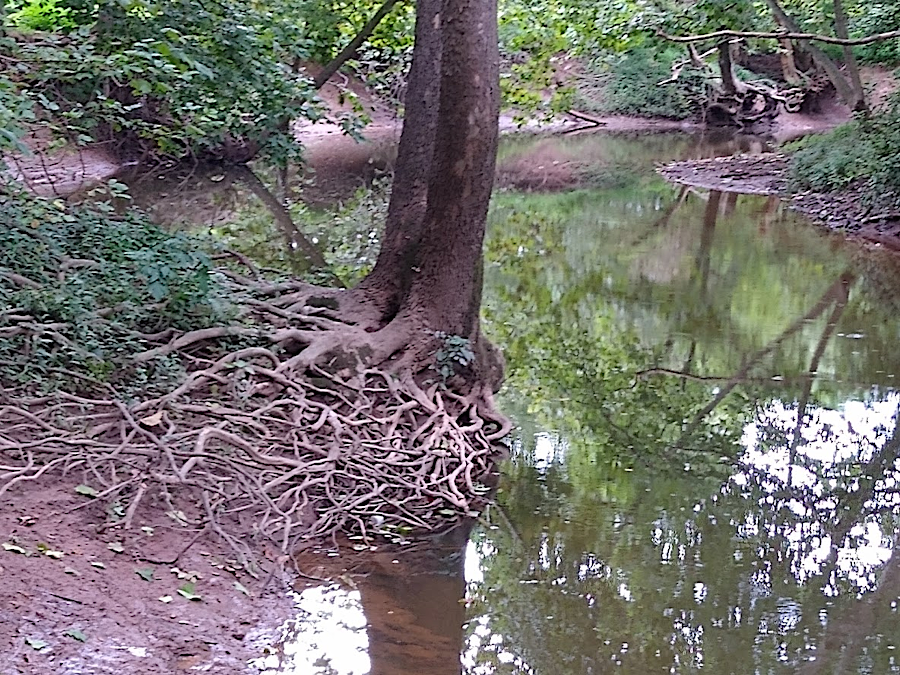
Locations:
(349, 51)
(841, 30)
(726, 69)
(788, 63)
(843, 88)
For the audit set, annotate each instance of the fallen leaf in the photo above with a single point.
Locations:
(13, 548)
(98, 564)
(56, 555)
(145, 573)
(152, 420)
(187, 591)
(116, 546)
(75, 634)
(73, 571)
(165, 598)
(239, 586)
(86, 490)
(36, 643)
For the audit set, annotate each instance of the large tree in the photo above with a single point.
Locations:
(427, 279)
(341, 409)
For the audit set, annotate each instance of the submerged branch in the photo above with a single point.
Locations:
(292, 234)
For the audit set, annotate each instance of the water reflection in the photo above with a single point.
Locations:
(705, 476)
(394, 610)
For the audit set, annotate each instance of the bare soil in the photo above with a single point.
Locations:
(70, 580)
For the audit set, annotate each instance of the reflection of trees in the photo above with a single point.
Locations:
(638, 536)
(749, 577)
(412, 597)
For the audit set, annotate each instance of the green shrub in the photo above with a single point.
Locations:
(628, 84)
(175, 79)
(862, 152)
(43, 15)
(101, 280)
(878, 17)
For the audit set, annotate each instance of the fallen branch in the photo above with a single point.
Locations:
(781, 35)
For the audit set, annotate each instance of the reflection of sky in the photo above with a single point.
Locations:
(326, 636)
(828, 439)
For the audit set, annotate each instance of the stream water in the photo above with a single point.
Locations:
(704, 476)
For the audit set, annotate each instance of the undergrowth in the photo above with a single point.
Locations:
(82, 286)
(629, 84)
(862, 152)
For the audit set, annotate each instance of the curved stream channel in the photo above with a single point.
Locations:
(704, 477)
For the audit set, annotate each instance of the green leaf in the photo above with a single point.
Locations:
(75, 634)
(36, 643)
(86, 490)
(187, 591)
(145, 573)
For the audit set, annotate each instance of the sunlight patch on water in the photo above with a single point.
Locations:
(327, 636)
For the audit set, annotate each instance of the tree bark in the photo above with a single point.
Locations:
(841, 30)
(389, 280)
(446, 279)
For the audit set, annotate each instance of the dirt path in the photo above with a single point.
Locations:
(768, 174)
(80, 594)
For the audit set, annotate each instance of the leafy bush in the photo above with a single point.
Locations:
(87, 283)
(862, 152)
(628, 84)
(878, 17)
(166, 78)
(44, 15)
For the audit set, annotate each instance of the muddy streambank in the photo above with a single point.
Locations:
(851, 212)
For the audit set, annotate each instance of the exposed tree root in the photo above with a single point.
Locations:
(270, 438)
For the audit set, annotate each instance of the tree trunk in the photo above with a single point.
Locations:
(726, 69)
(843, 88)
(388, 282)
(841, 30)
(788, 63)
(428, 276)
(446, 280)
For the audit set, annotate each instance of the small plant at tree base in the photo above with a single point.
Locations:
(456, 351)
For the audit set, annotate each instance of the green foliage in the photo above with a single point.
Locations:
(862, 152)
(170, 78)
(455, 353)
(877, 17)
(89, 283)
(43, 15)
(629, 84)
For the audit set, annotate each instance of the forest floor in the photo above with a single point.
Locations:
(81, 595)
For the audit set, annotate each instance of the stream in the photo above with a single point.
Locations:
(704, 473)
